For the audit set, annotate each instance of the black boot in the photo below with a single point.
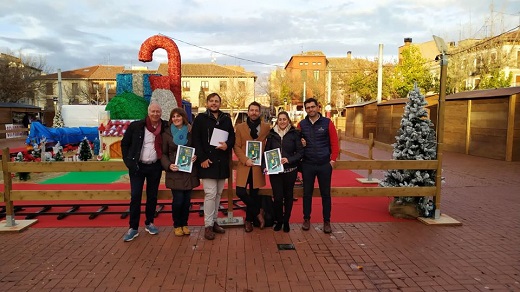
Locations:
(278, 226)
(286, 227)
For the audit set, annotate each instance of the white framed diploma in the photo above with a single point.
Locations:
(184, 158)
(254, 151)
(273, 161)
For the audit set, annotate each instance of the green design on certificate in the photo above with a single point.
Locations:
(273, 159)
(254, 151)
(183, 160)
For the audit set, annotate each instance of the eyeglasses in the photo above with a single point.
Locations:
(310, 107)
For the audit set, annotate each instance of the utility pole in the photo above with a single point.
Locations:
(106, 92)
(304, 91)
(328, 107)
(60, 93)
(380, 74)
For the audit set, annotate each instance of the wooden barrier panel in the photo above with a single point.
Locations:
(13, 167)
(9, 195)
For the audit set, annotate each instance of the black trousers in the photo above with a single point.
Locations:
(283, 191)
(309, 174)
(252, 200)
(152, 174)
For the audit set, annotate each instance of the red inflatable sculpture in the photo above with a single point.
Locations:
(174, 62)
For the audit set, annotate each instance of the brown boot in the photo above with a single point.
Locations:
(306, 224)
(248, 226)
(208, 233)
(261, 220)
(218, 229)
(326, 227)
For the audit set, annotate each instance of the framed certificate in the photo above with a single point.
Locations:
(184, 157)
(273, 161)
(254, 151)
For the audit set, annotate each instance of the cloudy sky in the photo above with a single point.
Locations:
(258, 35)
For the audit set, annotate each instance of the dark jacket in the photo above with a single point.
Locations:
(290, 146)
(132, 143)
(202, 130)
(321, 139)
(177, 180)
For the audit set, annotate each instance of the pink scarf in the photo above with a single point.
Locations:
(157, 133)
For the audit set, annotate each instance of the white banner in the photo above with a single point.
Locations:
(13, 134)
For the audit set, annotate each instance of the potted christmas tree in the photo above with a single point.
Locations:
(416, 140)
(85, 151)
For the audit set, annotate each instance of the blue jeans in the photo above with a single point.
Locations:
(152, 174)
(324, 174)
(181, 207)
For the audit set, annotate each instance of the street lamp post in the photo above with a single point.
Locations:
(328, 108)
(443, 57)
(55, 102)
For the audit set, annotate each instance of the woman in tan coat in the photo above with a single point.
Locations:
(247, 172)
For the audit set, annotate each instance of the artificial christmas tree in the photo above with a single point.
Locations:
(85, 151)
(58, 156)
(57, 122)
(416, 140)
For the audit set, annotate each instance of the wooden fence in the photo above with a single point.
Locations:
(23, 134)
(365, 163)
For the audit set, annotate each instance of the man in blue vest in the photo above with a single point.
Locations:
(320, 153)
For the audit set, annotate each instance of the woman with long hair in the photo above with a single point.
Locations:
(286, 137)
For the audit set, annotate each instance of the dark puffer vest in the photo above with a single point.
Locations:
(317, 151)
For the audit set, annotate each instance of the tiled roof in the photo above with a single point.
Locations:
(114, 128)
(512, 36)
(207, 70)
(92, 72)
(107, 72)
(18, 105)
(100, 72)
(132, 71)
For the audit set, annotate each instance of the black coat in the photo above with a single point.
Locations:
(290, 146)
(202, 130)
(132, 143)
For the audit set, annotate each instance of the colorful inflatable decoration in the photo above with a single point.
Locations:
(174, 63)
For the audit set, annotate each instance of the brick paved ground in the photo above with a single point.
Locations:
(481, 255)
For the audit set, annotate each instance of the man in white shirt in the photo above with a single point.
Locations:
(141, 147)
